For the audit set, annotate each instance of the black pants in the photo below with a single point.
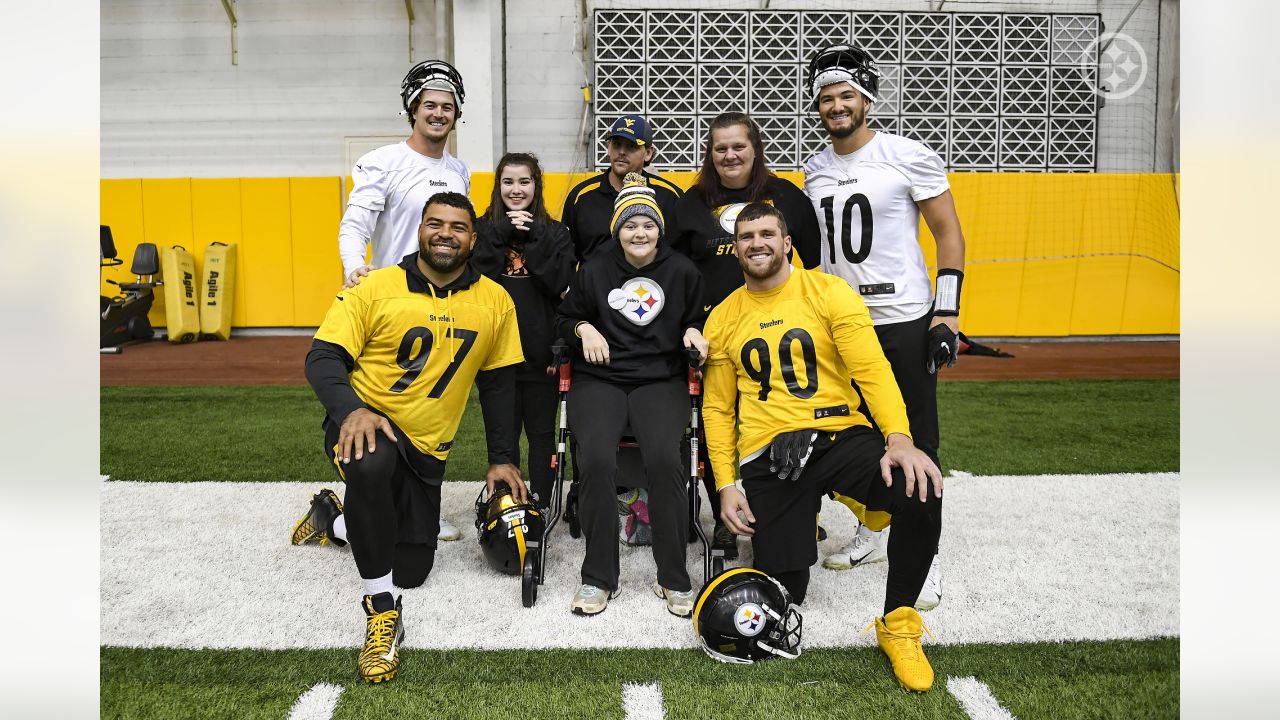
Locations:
(598, 413)
(393, 516)
(535, 410)
(848, 462)
(905, 345)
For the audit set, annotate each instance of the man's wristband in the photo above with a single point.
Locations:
(946, 297)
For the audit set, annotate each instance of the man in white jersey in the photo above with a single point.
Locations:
(392, 184)
(869, 190)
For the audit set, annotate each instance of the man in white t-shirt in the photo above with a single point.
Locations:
(869, 190)
(393, 183)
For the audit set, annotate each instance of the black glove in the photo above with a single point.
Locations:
(942, 349)
(790, 451)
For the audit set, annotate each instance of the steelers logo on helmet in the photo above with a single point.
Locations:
(843, 63)
(504, 527)
(742, 616)
(639, 300)
(431, 75)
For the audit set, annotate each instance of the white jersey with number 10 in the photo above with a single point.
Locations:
(866, 208)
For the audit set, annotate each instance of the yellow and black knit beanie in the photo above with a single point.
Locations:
(635, 198)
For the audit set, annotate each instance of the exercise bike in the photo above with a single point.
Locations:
(124, 317)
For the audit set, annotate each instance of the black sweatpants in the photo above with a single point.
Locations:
(905, 346)
(393, 516)
(535, 410)
(785, 540)
(657, 413)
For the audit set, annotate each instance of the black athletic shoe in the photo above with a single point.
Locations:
(724, 539)
(315, 525)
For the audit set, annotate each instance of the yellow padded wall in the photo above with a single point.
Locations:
(315, 208)
(266, 257)
(215, 217)
(120, 207)
(166, 220)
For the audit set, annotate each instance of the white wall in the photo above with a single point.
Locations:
(312, 74)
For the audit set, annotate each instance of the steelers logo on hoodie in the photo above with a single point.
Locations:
(639, 300)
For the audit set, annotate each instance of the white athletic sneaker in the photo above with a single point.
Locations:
(931, 593)
(448, 531)
(868, 547)
(591, 600)
(679, 604)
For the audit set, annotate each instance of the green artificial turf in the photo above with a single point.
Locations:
(266, 433)
(1063, 681)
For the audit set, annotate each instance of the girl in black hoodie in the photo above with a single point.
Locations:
(631, 312)
(530, 255)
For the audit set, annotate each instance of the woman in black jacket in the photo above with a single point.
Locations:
(733, 174)
(531, 256)
(631, 313)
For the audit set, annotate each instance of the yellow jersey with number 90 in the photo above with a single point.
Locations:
(417, 351)
(784, 359)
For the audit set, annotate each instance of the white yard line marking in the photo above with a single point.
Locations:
(642, 702)
(317, 703)
(1066, 535)
(976, 699)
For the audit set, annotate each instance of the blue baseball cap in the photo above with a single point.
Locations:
(632, 127)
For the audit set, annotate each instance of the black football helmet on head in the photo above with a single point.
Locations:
(843, 62)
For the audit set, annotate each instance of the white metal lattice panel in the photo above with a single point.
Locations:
(722, 36)
(880, 34)
(620, 88)
(775, 89)
(1072, 142)
(672, 89)
(722, 87)
(1075, 39)
(813, 139)
(974, 142)
(775, 36)
(1024, 90)
(620, 35)
(1073, 91)
(883, 123)
(1023, 142)
(889, 90)
(821, 29)
(926, 38)
(930, 129)
(925, 90)
(678, 141)
(781, 141)
(602, 147)
(977, 38)
(672, 36)
(1025, 40)
(975, 89)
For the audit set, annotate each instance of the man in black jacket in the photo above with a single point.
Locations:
(589, 205)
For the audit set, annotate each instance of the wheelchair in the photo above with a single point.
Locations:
(562, 369)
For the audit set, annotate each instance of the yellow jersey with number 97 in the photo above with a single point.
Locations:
(417, 348)
(784, 359)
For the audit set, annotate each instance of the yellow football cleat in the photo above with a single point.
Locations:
(899, 636)
(314, 526)
(384, 632)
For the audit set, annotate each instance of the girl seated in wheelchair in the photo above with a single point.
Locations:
(630, 314)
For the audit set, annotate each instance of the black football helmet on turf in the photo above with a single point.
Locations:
(431, 75)
(743, 615)
(843, 63)
(504, 527)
